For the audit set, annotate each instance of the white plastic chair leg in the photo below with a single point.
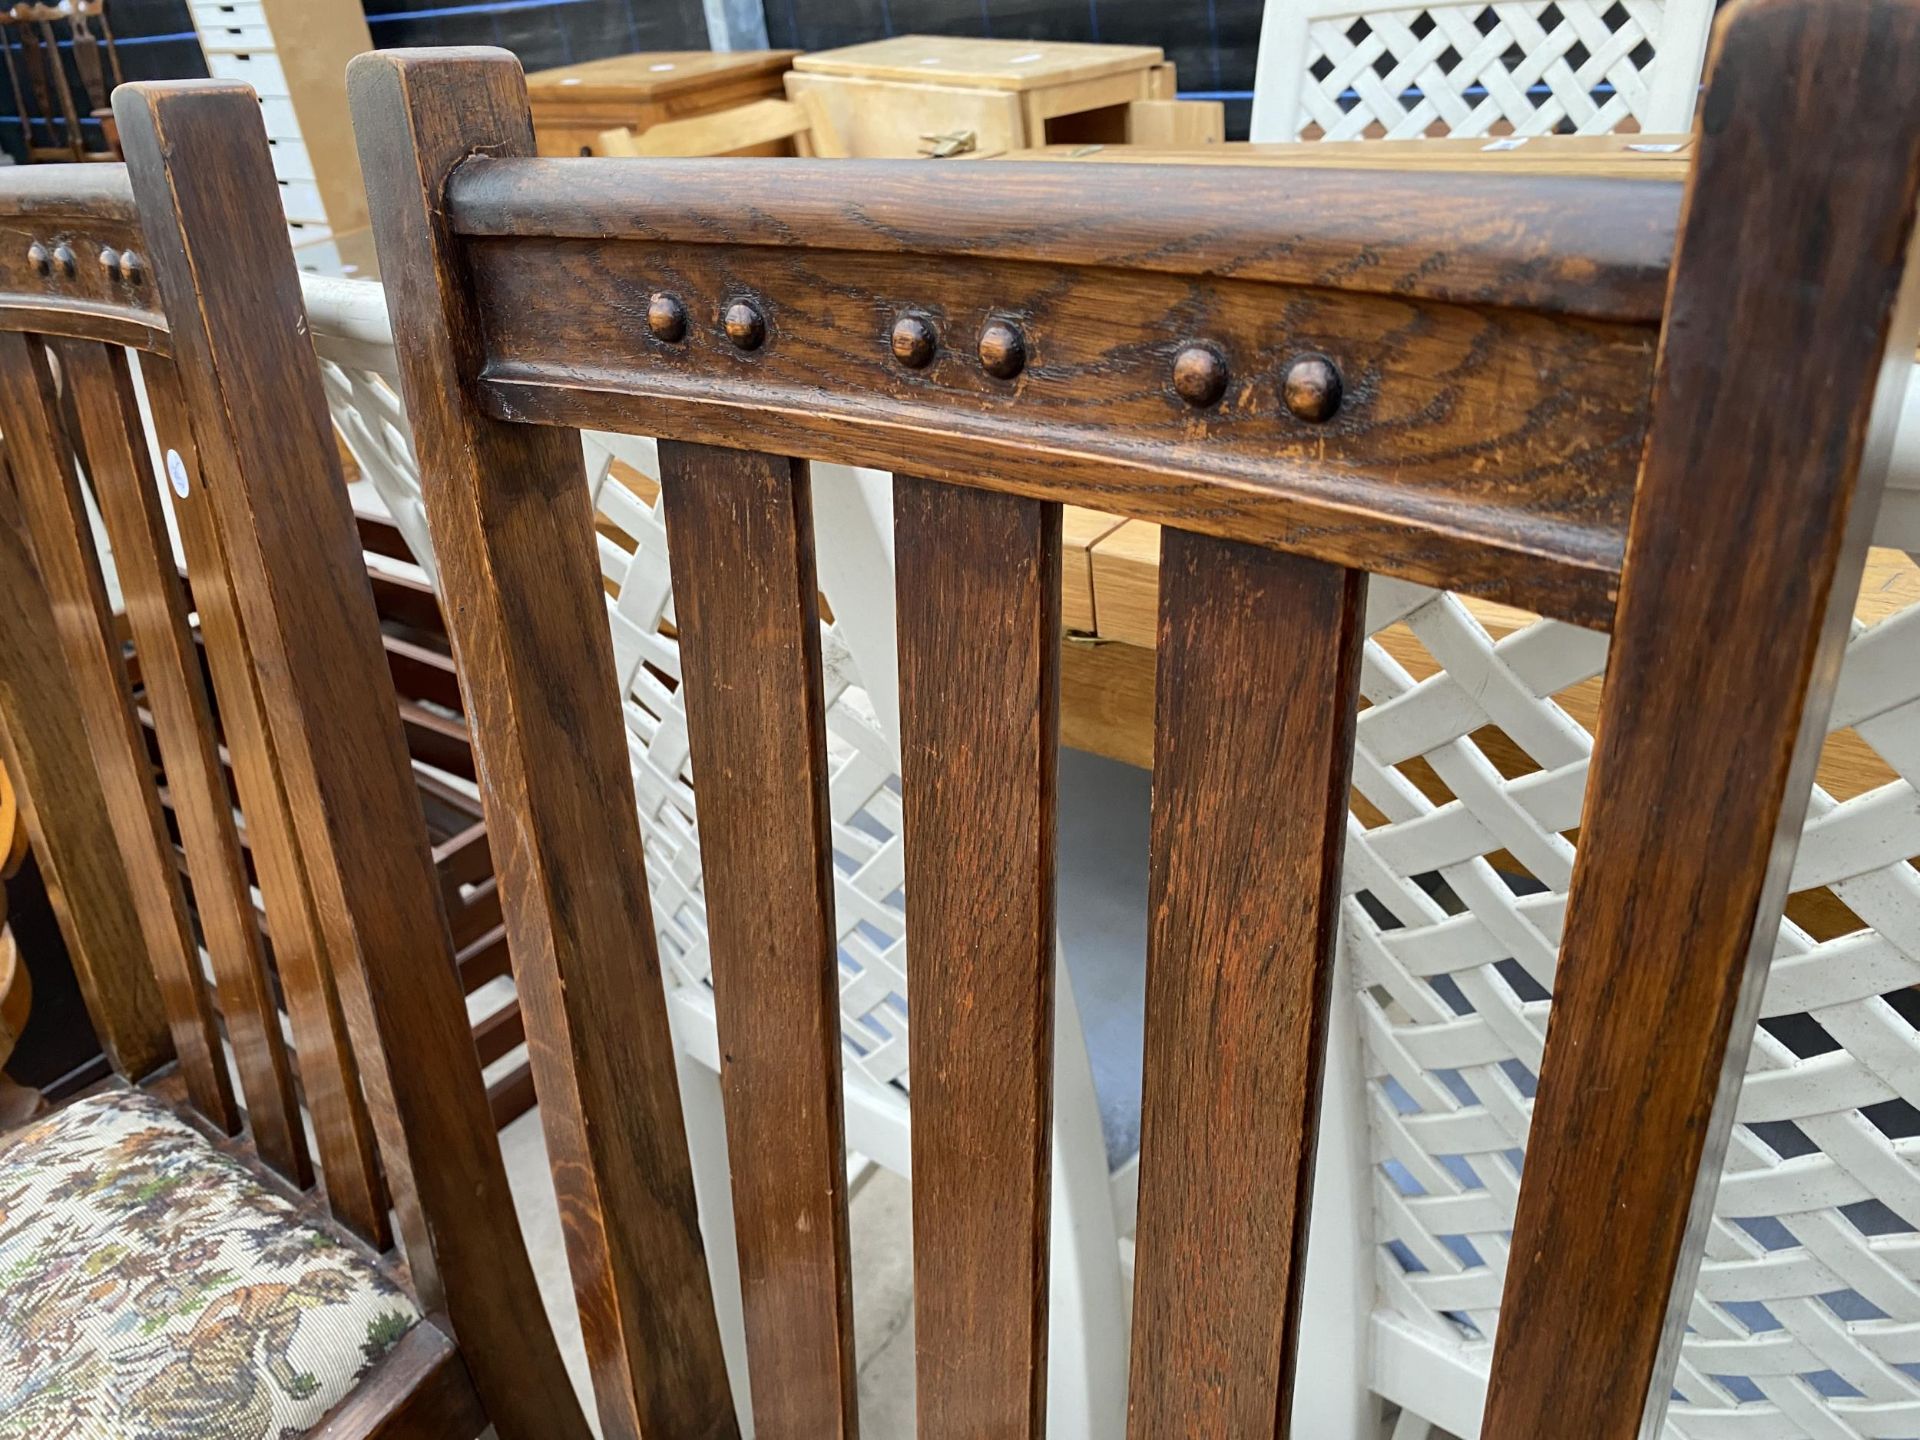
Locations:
(1088, 1326)
(1333, 1396)
(706, 1123)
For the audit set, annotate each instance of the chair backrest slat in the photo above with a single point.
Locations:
(1714, 725)
(513, 533)
(747, 604)
(1259, 668)
(329, 1073)
(979, 613)
(44, 740)
(40, 452)
(99, 384)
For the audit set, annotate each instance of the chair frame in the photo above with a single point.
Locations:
(511, 283)
(179, 257)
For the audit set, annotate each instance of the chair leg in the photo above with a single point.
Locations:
(1334, 1397)
(1088, 1330)
(706, 1122)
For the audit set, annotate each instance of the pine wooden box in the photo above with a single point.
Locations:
(925, 94)
(572, 104)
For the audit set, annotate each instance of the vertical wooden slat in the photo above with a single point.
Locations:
(1253, 745)
(44, 742)
(979, 606)
(42, 458)
(203, 178)
(99, 386)
(329, 1074)
(741, 531)
(1782, 363)
(513, 532)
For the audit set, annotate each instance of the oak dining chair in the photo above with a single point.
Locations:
(352, 336)
(241, 1238)
(1480, 383)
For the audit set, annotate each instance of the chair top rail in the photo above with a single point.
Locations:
(1442, 379)
(1573, 246)
(73, 257)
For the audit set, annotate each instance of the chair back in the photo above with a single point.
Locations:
(1492, 384)
(155, 369)
(1369, 69)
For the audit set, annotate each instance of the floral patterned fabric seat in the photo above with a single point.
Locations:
(152, 1289)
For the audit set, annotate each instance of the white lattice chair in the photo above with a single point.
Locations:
(1088, 1337)
(1382, 68)
(1806, 1321)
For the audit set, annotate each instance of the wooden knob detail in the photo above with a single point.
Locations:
(110, 262)
(66, 261)
(40, 258)
(1312, 389)
(745, 326)
(1003, 349)
(666, 318)
(1200, 376)
(132, 268)
(914, 341)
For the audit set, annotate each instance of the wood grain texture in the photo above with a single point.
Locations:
(1573, 247)
(40, 452)
(44, 742)
(1457, 453)
(979, 608)
(1258, 689)
(99, 385)
(87, 209)
(740, 527)
(1713, 727)
(513, 532)
(420, 1390)
(269, 463)
(329, 1073)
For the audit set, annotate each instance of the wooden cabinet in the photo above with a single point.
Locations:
(294, 54)
(574, 103)
(926, 94)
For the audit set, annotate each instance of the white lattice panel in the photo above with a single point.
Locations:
(1532, 67)
(1806, 1321)
(863, 789)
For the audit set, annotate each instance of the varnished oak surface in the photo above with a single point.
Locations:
(741, 531)
(978, 705)
(1616, 504)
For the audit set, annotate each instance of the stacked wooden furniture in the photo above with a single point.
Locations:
(573, 104)
(171, 277)
(293, 53)
(1126, 355)
(943, 95)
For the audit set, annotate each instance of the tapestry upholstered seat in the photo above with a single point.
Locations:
(152, 1289)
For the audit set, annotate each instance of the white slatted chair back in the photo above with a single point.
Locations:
(350, 329)
(1359, 69)
(1472, 760)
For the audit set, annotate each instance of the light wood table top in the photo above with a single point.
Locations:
(977, 63)
(651, 75)
(1611, 157)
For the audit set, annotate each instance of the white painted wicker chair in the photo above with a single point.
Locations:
(1383, 68)
(1086, 1389)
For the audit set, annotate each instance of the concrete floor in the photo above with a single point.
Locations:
(881, 1225)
